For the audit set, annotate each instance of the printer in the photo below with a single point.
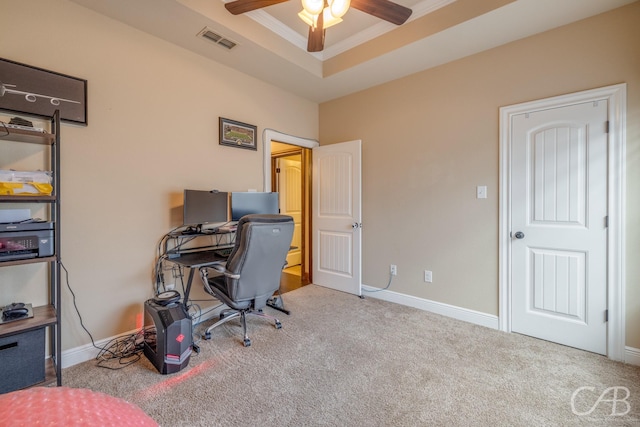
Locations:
(26, 240)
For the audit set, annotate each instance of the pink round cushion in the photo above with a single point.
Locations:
(63, 406)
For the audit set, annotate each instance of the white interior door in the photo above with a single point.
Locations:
(559, 225)
(290, 189)
(336, 214)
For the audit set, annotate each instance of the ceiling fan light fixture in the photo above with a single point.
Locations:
(329, 19)
(312, 20)
(339, 7)
(313, 7)
(332, 12)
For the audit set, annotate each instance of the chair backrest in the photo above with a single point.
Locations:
(259, 255)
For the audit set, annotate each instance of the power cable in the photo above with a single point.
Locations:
(381, 289)
(125, 350)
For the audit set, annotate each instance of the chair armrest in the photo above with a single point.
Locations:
(221, 268)
(204, 274)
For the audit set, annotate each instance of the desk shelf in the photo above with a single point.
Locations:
(175, 250)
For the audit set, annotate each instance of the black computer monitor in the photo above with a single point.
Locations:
(245, 203)
(205, 207)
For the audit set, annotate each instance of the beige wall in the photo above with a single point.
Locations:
(429, 139)
(153, 120)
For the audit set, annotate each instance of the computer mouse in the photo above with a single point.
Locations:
(14, 311)
(14, 305)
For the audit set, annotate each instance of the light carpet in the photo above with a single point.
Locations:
(344, 361)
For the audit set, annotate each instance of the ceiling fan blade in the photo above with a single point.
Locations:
(241, 6)
(315, 43)
(383, 9)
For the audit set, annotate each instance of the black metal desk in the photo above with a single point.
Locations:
(195, 260)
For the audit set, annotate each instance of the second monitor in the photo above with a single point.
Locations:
(246, 203)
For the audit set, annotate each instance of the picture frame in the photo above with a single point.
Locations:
(39, 92)
(237, 134)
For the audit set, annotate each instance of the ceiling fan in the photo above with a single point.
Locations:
(321, 18)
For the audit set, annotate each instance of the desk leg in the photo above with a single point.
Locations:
(189, 282)
(187, 291)
(277, 303)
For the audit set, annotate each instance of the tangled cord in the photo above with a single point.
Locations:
(122, 351)
(118, 353)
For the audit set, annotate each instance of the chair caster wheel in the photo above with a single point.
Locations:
(247, 342)
(207, 335)
(278, 325)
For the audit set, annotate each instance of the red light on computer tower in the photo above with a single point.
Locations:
(139, 321)
(179, 338)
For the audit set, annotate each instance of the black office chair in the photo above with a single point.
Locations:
(252, 272)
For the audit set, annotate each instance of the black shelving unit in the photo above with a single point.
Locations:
(48, 316)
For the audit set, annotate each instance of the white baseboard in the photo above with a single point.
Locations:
(89, 352)
(86, 352)
(471, 316)
(632, 356)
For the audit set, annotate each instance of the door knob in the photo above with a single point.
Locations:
(519, 235)
(356, 225)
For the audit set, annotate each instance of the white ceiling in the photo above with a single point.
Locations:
(272, 41)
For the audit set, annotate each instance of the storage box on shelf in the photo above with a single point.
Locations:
(23, 183)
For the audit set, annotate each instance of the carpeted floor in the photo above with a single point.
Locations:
(344, 361)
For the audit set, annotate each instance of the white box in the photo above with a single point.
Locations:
(25, 182)
(8, 216)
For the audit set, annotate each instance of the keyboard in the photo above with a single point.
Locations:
(224, 252)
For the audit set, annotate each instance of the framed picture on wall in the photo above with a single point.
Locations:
(238, 134)
(31, 90)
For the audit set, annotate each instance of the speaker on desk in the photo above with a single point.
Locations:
(167, 335)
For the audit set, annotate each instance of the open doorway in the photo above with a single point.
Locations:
(269, 138)
(289, 177)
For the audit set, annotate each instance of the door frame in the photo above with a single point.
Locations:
(269, 136)
(296, 151)
(616, 189)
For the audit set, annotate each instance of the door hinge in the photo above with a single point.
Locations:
(606, 126)
(606, 315)
(277, 170)
(606, 221)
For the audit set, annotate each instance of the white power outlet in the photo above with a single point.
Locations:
(393, 269)
(428, 276)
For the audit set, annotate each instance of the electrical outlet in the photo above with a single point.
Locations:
(428, 276)
(393, 269)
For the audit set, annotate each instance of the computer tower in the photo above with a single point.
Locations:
(167, 335)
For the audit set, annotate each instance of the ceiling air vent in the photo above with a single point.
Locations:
(216, 38)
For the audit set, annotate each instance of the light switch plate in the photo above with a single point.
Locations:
(481, 192)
